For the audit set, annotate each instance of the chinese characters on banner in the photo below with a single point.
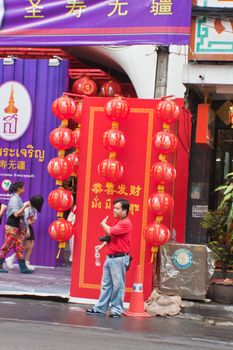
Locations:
(93, 22)
(131, 193)
(119, 8)
(95, 196)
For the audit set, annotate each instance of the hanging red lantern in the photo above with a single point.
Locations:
(161, 203)
(77, 116)
(76, 138)
(111, 169)
(64, 107)
(165, 142)
(59, 168)
(168, 111)
(61, 230)
(84, 86)
(110, 88)
(113, 139)
(156, 234)
(61, 138)
(163, 172)
(60, 199)
(117, 109)
(73, 158)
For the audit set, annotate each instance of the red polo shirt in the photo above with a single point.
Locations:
(120, 237)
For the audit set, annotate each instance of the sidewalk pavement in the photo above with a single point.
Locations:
(207, 311)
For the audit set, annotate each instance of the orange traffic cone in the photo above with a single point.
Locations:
(136, 307)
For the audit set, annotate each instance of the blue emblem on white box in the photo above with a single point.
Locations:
(182, 258)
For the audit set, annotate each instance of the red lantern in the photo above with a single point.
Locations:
(76, 138)
(60, 199)
(117, 109)
(156, 234)
(111, 169)
(84, 86)
(73, 158)
(110, 88)
(113, 139)
(77, 116)
(61, 138)
(165, 142)
(168, 111)
(61, 230)
(64, 107)
(59, 168)
(163, 172)
(161, 203)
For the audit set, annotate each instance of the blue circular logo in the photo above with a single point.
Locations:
(182, 258)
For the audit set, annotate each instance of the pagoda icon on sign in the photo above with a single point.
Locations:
(11, 119)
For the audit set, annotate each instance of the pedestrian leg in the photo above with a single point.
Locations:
(118, 270)
(10, 238)
(106, 289)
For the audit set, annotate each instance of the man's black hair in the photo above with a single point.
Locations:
(124, 204)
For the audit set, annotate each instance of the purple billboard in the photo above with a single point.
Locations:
(27, 90)
(94, 22)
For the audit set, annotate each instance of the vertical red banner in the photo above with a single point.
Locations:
(95, 196)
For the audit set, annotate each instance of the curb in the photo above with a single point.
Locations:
(207, 310)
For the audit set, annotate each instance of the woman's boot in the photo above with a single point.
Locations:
(1, 268)
(23, 267)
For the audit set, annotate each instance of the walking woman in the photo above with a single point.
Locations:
(30, 215)
(16, 227)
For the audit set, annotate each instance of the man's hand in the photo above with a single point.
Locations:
(104, 225)
(100, 246)
(104, 221)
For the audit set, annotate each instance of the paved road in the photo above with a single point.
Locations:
(44, 325)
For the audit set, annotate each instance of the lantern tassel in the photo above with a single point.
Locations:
(115, 125)
(162, 157)
(154, 251)
(61, 246)
(58, 254)
(166, 126)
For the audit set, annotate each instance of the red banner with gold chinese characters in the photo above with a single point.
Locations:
(95, 196)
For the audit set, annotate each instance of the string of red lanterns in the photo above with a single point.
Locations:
(110, 168)
(160, 202)
(61, 167)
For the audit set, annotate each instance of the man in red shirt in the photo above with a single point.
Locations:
(117, 260)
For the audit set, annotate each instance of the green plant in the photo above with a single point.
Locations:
(219, 225)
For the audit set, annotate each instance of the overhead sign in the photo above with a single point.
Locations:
(94, 22)
(211, 37)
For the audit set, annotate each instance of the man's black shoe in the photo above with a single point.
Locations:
(93, 312)
(113, 315)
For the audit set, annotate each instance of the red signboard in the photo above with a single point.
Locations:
(205, 125)
(95, 195)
